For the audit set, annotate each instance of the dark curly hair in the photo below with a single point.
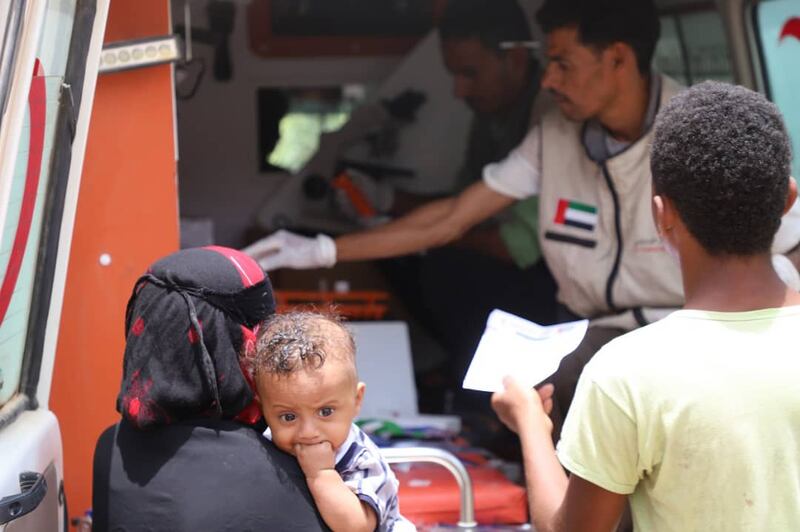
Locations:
(721, 154)
(299, 340)
(601, 23)
(490, 21)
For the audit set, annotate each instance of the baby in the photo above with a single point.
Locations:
(308, 386)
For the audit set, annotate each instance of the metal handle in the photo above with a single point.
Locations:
(404, 455)
(33, 488)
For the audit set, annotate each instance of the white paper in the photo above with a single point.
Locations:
(514, 346)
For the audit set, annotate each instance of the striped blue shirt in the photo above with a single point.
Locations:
(360, 464)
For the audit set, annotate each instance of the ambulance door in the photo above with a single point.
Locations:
(776, 32)
(49, 53)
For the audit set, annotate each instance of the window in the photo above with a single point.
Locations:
(693, 46)
(777, 26)
(30, 183)
(291, 122)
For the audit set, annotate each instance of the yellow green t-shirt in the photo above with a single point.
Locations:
(697, 417)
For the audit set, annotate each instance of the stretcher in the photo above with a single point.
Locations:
(436, 488)
(436, 485)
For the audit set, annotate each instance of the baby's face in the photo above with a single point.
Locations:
(311, 406)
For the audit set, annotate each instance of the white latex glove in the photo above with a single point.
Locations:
(786, 271)
(284, 249)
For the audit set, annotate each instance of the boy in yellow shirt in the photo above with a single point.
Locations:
(695, 418)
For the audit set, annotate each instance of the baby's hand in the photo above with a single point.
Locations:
(315, 458)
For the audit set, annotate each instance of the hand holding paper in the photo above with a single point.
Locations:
(516, 403)
(514, 346)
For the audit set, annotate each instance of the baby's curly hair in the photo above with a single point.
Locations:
(298, 340)
(722, 155)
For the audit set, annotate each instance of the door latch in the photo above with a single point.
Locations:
(33, 488)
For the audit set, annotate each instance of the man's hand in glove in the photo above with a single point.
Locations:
(284, 249)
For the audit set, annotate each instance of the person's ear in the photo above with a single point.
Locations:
(518, 58)
(256, 395)
(620, 55)
(257, 385)
(657, 206)
(663, 215)
(515, 63)
(615, 54)
(791, 195)
(360, 389)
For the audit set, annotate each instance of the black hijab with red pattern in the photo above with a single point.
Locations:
(188, 320)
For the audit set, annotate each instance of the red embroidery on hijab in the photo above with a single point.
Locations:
(138, 406)
(133, 408)
(138, 327)
(193, 336)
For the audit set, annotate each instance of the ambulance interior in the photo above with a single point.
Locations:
(269, 116)
(249, 80)
(310, 116)
(298, 114)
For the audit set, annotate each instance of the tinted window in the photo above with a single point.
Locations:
(693, 46)
(25, 213)
(778, 32)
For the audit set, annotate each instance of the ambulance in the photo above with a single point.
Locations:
(132, 128)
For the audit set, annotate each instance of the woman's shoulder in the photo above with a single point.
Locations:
(188, 442)
(191, 467)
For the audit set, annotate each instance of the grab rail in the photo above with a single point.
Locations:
(403, 455)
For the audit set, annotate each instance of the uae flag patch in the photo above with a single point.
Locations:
(575, 214)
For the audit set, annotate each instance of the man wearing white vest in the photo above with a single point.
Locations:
(587, 160)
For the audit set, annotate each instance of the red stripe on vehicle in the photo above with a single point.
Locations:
(37, 103)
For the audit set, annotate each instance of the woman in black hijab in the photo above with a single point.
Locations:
(188, 453)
